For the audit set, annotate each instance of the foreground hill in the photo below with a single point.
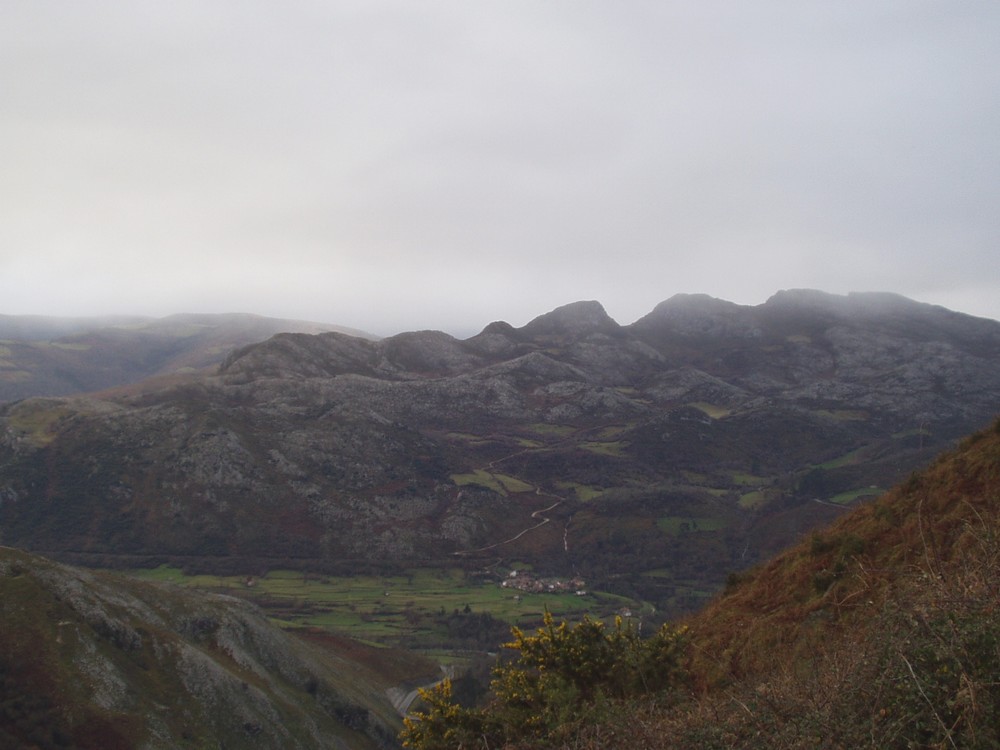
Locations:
(43, 356)
(91, 660)
(652, 459)
(881, 631)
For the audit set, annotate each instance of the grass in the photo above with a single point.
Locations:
(613, 431)
(676, 525)
(513, 484)
(845, 498)
(35, 419)
(712, 410)
(665, 573)
(843, 415)
(499, 483)
(751, 500)
(13, 376)
(528, 443)
(614, 448)
(468, 438)
(744, 480)
(702, 483)
(847, 459)
(715, 491)
(557, 430)
(388, 609)
(583, 492)
(916, 432)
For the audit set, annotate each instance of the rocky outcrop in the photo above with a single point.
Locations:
(122, 663)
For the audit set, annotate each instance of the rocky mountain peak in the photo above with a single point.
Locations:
(574, 319)
(889, 313)
(500, 327)
(498, 339)
(853, 303)
(428, 352)
(803, 298)
(697, 314)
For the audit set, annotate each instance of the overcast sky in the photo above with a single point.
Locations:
(394, 165)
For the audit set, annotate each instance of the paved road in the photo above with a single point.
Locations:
(402, 699)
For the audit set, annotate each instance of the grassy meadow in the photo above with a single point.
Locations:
(412, 609)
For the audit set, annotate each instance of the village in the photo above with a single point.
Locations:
(522, 581)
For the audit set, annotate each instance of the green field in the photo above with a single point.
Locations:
(35, 419)
(848, 459)
(613, 448)
(849, 497)
(844, 415)
(583, 492)
(674, 525)
(499, 483)
(467, 438)
(754, 499)
(915, 432)
(557, 430)
(406, 609)
(528, 443)
(711, 410)
(744, 480)
(613, 431)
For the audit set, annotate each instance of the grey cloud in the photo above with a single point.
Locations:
(394, 165)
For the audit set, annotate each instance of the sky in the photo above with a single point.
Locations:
(396, 165)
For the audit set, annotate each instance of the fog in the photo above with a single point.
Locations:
(395, 166)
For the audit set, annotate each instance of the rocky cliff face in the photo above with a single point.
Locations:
(97, 661)
(694, 440)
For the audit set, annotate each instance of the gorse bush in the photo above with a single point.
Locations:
(941, 682)
(562, 678)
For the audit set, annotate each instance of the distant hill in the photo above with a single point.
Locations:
(92, 660)
(44, 356)
(651, 459)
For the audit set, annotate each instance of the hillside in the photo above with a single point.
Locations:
(90, 660)
(44, 356)
(650, 459)
(881, 630)
(938, 529)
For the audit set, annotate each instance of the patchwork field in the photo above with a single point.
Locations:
(426, 608)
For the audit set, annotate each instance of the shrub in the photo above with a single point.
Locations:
(561, 679)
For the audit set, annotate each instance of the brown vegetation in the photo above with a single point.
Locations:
(882, 631)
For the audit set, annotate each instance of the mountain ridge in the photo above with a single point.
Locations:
(42, 356)
(753, 423)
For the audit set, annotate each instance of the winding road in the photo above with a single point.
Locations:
(536, 514)
(490, 468)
